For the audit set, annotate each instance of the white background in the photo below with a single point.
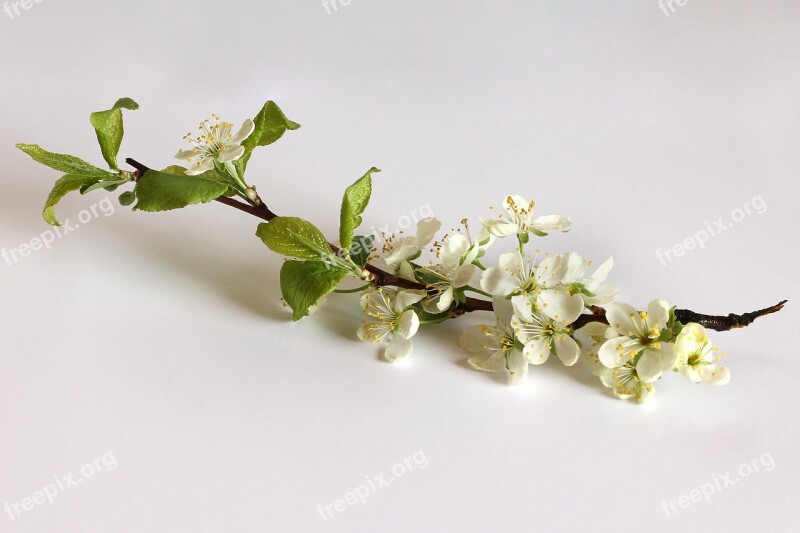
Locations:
(160, 338)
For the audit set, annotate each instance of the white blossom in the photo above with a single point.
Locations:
(544, 335)
(696, 357)
(495, 346)
(391, 320)
(531, 286)
(591, 288)
(637, 335)
(400, 252)
(216, 143)
(518, 219)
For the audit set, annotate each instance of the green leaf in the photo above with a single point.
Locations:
(361, 249)
(356, 198)
(294, 237)
(175, 169)
(127, 198)
(109, 129)
(159, 191)
(64, 186)
(64, 163)
(303, 283)
(270, 125)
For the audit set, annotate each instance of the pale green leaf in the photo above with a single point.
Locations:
(356, 198)
(109, 129)
(64, 186)
(270, 125)
(294, 237)
(159, 191)
(64, 163)
(303, 283)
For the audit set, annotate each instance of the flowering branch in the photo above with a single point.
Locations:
(542, 307)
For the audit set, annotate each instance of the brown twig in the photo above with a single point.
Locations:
(382, 278)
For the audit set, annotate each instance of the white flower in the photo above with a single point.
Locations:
(453, 273)
(528, 284)
(461, 249)
(495, 346)
(626, 383)
(638, 332)
(216, 143)
(592, 336)
(393, 320)
(404, 250)
(518, 219)
(591, 288)
(544, 335)
(696, 359)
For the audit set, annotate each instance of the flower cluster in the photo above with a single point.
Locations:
(537, 301)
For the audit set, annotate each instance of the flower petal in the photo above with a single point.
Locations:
(503, 309)
(498, 282)
(426, 230)
(203, 165)
(453, 249)
(398, 349)
(404, 249)
(514, 203)
(407, 298)
(186, 154)
(603, 295)
(495, 362)
(552, 223)
(646, 393)
(560, 306)
(537, 350)
(408, 325)
(657, 314)
(690, 373)
(600, 275)
(567, 349)
(523, 307)
(649, 367)
(231, 153)
(464, 275)
(617, 351)
(714, 374)
(551, 271)
(624, 319)
(576, 268)
(500, 228)
(517, 367)
(474, 339)
(445, 300)
(248, 126)
(406, 271)
(690, 341)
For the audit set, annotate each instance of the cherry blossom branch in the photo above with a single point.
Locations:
(381, 278)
